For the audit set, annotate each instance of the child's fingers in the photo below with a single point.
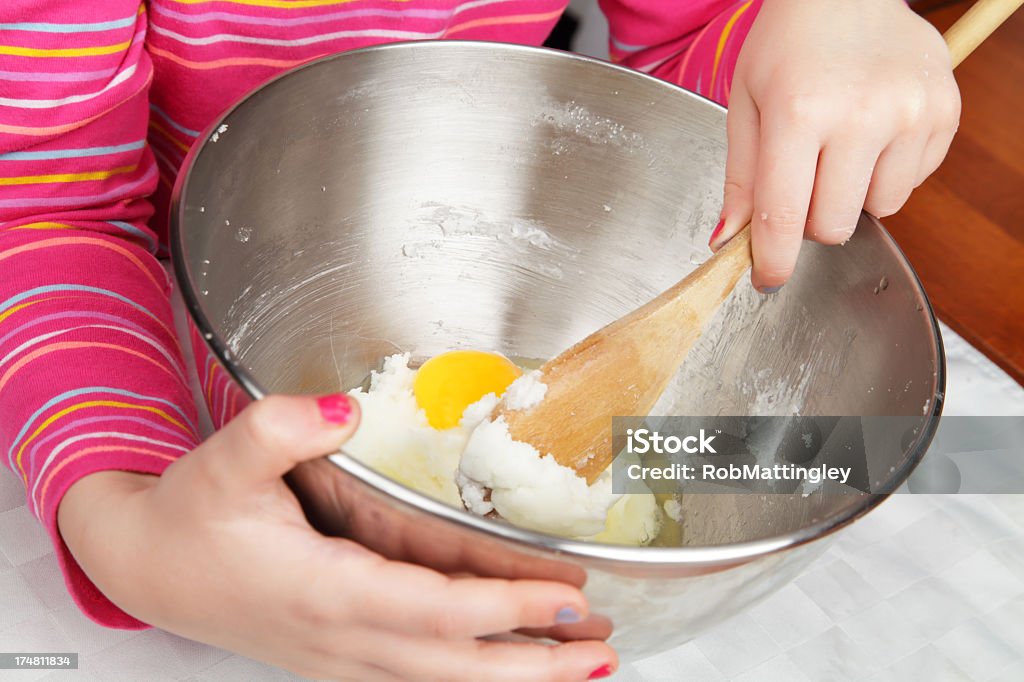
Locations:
(934, 152)
(740, 168)
(471, 660)
(272, 435)
(946, 108)
(594, 626)
(511, 604)
(435, 605)
(782, 193)
(843, 176)
(895, 175)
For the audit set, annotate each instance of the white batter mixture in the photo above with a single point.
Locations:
(526, 489)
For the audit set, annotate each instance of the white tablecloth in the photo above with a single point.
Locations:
(923, 588)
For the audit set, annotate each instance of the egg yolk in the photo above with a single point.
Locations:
(447, 384)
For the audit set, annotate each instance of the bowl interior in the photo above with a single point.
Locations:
(430, 196)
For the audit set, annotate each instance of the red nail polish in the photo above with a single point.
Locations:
(335, 408)
(602, 672)
(716, 231)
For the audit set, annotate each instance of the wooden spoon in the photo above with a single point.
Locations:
(623, 368)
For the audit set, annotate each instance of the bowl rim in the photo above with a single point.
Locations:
(412, 500)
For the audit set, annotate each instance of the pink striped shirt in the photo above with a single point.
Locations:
(99, 103)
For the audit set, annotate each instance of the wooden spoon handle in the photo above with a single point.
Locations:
(977, 24)
(704, 289)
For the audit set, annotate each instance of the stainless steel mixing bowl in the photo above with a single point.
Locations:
(429, 196)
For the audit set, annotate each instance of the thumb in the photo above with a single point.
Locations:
(270, 436)
(743, 128)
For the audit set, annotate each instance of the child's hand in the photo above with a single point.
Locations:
(217, 549)
(836, 105)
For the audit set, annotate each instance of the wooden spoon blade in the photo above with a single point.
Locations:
(622, 369)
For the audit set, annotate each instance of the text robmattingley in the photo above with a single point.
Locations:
(739, 472)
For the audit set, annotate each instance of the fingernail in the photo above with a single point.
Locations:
(602, 672)
(567, 615)
(769, 290)
(716, 232)
(335, 408)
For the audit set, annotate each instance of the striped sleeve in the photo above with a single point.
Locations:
(694, 44)
(91, 374)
